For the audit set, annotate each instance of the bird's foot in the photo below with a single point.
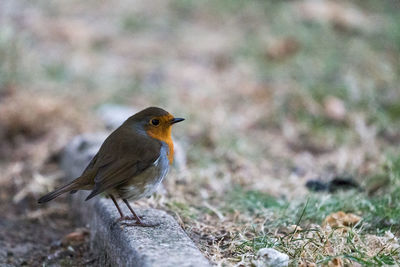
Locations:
(126, 218)
(141, 224)
(135, 222)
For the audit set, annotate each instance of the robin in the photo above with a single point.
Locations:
(131, 162)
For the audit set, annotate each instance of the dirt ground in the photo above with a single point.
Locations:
(33, 239)
(31, 234)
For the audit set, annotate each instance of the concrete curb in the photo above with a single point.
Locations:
(118, 245)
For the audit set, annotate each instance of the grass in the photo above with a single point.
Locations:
(183, 209)
(319, 71)
(239, 193)
(380, 212)
(253, 201)
(8, 58)
(352, 246)
(307, 241)
(134, 23)
(57, 72)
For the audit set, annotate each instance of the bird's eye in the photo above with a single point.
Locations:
(155, 122)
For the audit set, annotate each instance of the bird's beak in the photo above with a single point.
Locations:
(175, 120)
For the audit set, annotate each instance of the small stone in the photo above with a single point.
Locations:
(55, 244)
(334, 108)
(271, 257)
(389, 235)
(298, 171)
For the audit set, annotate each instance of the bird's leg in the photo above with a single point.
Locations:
(132, 211)
(138, 220)
(117, 206)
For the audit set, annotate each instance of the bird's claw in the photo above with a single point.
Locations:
(142, 224)
(135, 222)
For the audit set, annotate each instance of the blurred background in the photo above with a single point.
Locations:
(292, 113)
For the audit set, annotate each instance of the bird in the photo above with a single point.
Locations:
(130, 164)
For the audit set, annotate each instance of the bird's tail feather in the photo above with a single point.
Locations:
(72, 186)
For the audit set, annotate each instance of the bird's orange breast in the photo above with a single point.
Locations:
(163, 133)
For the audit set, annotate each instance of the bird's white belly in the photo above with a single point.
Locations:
(147, 182)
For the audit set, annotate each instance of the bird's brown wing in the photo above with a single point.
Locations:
(91, 170)
(113, 175)
(89, 167)
(125, 160)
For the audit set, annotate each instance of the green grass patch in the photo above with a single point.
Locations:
(183, 209)
(379, 213)
(353, 245)
(9, 58)
(134, 23)
(57, 72)
(253, 201)
(321, 68)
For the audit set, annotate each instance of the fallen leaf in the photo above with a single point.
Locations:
(282, 48)
(336, 262)
(340, 14)
(305, 263)
(75, 237)
(341, 219)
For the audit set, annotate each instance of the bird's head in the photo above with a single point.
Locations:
(156, 123)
